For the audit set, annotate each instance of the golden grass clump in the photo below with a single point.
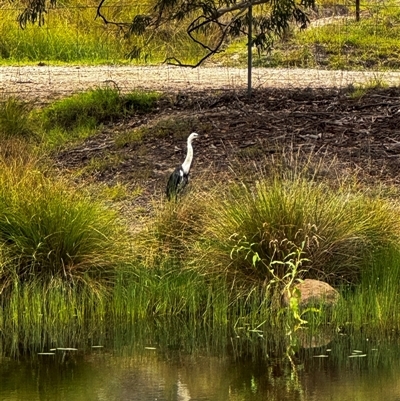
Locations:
(338, 228)
(49, 229)
(173, 230)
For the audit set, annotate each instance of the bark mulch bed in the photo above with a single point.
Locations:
(361, 133)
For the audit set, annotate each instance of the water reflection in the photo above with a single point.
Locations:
(170, 369)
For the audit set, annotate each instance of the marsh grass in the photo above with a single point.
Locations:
(340, 226)
(172, 231)
(70, 271)
(349, 235)
(373, 305)
(164, 292)
(56, 315)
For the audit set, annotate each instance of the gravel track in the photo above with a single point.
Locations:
(43, 83)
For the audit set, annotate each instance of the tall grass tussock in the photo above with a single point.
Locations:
(61, 252)
(50, 230)
(15, 120)
(339, 227)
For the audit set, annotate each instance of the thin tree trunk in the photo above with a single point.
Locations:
(357, 10)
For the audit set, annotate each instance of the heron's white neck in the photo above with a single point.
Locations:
(189, 157)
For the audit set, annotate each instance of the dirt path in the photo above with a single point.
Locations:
(44, 82)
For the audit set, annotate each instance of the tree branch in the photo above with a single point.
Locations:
(224, 28)
(240, 6)
(105, 20)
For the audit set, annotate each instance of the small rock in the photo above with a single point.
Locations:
(314, 292)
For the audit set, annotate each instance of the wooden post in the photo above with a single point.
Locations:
(357, 10)
(249, 49)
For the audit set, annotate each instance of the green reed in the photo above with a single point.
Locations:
(374, 303)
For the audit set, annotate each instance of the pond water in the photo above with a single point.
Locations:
(343, 369)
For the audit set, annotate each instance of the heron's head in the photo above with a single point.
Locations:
(192, 136)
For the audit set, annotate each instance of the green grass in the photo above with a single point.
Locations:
(70, 269)
(71, 34)
(371, 43)
(360, 90)
(61, 253)
(94, 107)
(15, 120)
(372, 306)
(71, 119)
(350, 236)
(40, 317)
(77, 117)
(68, 120)
(340, 226)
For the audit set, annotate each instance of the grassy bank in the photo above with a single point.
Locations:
(197, 274)
(337, 41)
(72, 35)
(74, 266)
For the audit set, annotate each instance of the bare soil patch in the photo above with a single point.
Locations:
(363, 134)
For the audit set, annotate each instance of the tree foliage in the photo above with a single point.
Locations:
(210, 23)
(34, 12)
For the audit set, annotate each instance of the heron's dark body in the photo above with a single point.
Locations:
(176, 183)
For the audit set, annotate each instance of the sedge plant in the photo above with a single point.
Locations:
(49, 229)
(15, 120)
(343, 224)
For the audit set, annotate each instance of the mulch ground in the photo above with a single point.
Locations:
(235, 130)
